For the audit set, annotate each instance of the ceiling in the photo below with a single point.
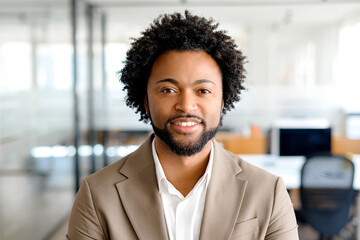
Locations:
(237, 17)
(128, 18)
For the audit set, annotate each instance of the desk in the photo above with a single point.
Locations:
(289, 169)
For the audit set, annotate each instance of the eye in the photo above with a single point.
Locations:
(204, 91)
(167, 90)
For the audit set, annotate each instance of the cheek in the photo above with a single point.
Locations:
(213, 112)
(216, 116)
(159, 112)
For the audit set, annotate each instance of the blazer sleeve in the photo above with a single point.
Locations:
(84, 222)
(282, 224)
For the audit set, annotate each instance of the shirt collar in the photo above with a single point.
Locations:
(160, 175)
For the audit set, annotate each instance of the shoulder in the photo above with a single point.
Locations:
(253, 172)
(108, 173)
(248, 171)
(123, 168)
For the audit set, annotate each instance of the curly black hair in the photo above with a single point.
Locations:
(181, 33)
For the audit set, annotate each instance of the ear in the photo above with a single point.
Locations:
(146, 104)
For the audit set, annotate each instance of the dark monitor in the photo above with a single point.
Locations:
(304, 141)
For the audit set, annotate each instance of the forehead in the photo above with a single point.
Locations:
(185, 65)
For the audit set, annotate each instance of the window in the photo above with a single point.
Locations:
(347, 71)
(15, 66)
(54, 66)
(115, 56)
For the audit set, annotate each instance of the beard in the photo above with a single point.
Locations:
(181, 150)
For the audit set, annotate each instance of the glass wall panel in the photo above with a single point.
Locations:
(36, 119)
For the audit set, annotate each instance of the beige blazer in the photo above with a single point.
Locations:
(122, 202)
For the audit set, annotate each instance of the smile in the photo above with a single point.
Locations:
(186, 124)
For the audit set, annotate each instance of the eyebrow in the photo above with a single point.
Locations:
(170, 80)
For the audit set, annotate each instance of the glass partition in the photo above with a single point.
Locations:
(36, 119)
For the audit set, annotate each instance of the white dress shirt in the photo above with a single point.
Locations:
(183, 215)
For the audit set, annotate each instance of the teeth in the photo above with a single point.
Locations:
(186, 124)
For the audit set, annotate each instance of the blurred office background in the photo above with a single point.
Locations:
(62, 110)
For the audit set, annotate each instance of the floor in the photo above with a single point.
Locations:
(33, 202)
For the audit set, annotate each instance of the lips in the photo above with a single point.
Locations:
(185, 120)
(185, 124)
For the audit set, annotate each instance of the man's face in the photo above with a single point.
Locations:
(184, 100)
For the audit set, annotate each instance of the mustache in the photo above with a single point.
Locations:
(186, 116)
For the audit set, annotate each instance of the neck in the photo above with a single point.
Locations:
(182, 171)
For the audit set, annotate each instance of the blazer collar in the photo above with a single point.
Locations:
(224, 196)
(140, 195)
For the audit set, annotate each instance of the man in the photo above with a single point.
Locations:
(181, 75)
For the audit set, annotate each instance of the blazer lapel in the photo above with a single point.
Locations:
(224, 197)
(140, 195)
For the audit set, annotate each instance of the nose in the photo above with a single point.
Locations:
(186, 102)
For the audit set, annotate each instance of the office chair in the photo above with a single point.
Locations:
(327, 193)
